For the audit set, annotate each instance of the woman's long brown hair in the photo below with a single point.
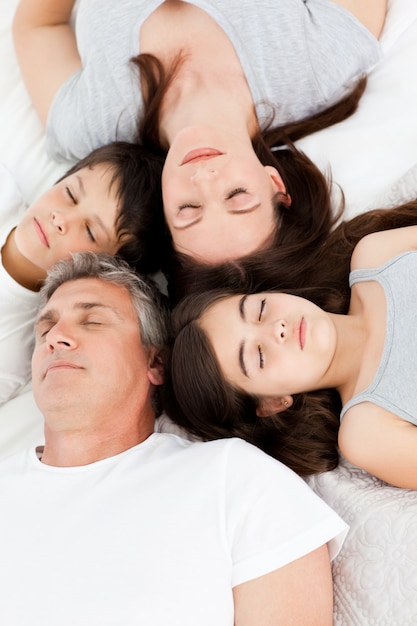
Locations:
(300, 226)
(196, 395)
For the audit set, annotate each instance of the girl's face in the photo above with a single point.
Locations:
(75, 215)
(218, 197)
(271, 344)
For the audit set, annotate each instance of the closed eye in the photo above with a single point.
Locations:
(92, 323)
(43, 330)
(261, 357)
(188, 206)
(90, 233)
(71, 195)
(235, 192)
(261, 309)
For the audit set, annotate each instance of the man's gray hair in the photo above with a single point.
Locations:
(148, 302)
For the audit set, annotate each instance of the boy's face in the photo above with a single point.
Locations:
(76, 215)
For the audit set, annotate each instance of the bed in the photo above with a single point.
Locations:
(373, 156)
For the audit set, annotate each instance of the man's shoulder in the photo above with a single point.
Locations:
(18, 461)
(234, 448)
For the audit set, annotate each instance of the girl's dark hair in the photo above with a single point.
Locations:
(197, 397)
(301, 224)
(136, 176)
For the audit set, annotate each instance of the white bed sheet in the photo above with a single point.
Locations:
(375, 574)
(373, 156)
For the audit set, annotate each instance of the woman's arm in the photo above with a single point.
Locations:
(380, 443)
(298, 593)
(46, 48)
(370, 12)
(377, 248)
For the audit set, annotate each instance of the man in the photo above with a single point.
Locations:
(112, 523)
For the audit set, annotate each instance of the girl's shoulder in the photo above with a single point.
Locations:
(377, 248)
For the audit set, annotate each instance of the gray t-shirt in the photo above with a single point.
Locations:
(394, 386)
(297, 55)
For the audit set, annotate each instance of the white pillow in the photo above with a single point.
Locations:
(372, 150)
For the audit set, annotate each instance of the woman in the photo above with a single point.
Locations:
(277, 369)
(99, 205)
(213, 79)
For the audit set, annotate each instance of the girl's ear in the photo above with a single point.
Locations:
(276, 404)
(155, 368)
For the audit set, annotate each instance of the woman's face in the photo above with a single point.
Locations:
(218, 197)
(77, 214)
(271, 344)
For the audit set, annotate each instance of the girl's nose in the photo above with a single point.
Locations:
(280, 330)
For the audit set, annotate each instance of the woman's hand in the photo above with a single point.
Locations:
(46, 48)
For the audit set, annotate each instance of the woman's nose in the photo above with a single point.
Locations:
(205, 173)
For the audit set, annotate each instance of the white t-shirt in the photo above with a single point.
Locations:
(18, 305)
(157, 535)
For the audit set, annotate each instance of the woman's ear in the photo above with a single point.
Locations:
(276, 404)
(278, 184)
(155, 368)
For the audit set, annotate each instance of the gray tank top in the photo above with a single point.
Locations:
(394, 386)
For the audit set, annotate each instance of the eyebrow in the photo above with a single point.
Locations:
(96, 216)
(52, 314)
(242, 344)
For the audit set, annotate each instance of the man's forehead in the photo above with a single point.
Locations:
(87, 294)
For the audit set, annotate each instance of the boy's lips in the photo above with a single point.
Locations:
(41, 233)
(302, 333)
(200, 154)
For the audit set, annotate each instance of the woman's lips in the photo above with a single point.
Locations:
(199, 154)
(302, 333)
(41, 233)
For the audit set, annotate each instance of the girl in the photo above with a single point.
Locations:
(220, 84)
(278, 370)
(101, 205)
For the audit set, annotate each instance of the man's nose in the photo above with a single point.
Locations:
(60, 336)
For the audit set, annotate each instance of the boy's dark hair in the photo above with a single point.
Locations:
(136, 175)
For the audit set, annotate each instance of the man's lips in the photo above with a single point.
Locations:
(61, 365)
(200, 154)
(41, 233)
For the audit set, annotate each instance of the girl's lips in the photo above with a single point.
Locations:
(302, 333)
(199, 154)
(41, 233)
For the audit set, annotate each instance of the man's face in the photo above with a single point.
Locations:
(89, 363)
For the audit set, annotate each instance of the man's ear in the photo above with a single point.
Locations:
(155, 368)
(276, 404)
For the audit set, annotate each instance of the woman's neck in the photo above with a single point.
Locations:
(196, 99)
(210, 86)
